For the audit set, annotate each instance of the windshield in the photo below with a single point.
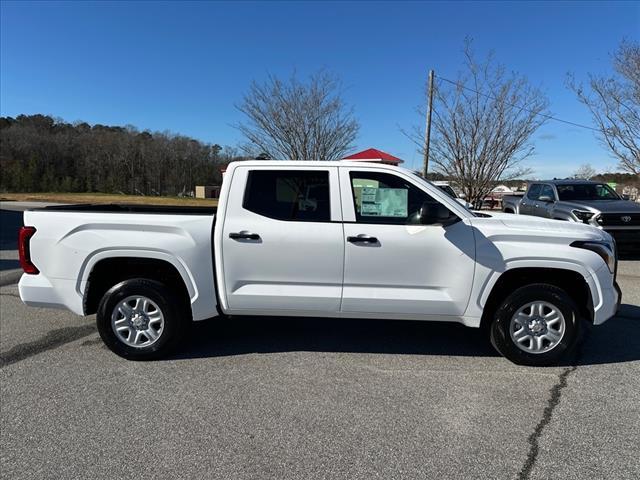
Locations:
(586, 191)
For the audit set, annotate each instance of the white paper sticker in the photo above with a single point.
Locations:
(384, 202)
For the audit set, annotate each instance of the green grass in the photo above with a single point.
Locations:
(56, 197)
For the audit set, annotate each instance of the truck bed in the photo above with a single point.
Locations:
(71, 240)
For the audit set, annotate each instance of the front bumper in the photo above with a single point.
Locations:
(606, 296)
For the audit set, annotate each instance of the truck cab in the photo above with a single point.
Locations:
(338, 254)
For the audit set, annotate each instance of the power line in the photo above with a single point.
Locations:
(457, 84)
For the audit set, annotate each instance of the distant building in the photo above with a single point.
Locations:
(207, 191)
(375, 156)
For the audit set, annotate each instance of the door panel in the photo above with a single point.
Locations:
(530, 199)
(544, 209)
(279, 265)
(410, 269)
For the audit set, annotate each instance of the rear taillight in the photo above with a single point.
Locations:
(24, 237)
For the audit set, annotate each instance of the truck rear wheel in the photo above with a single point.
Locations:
(536, 325)
(140, 319)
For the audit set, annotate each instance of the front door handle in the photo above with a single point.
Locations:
(362, 239)
(244, 235)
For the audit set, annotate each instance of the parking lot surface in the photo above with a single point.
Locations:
(315, 398)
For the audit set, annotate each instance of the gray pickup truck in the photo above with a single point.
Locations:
(593, 203)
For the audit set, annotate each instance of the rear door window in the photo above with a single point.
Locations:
(290, 195)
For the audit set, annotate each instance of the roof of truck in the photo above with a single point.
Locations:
(564, 181)
(315, 163)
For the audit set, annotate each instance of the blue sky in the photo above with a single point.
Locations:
(182, 66)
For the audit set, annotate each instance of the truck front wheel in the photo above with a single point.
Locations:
(140, 319)
(535, 325)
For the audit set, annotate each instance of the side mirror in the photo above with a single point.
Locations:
(625, 196)
(432, 213)
(545, 199)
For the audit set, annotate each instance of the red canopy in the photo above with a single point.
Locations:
(374, 155)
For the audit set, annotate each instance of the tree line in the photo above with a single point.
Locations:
(41, 153)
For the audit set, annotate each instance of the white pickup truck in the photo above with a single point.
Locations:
(333, 239)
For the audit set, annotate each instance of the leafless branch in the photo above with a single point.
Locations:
(482, 125)
(298, 121)
(614, 104)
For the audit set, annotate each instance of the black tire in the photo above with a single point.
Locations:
(173, 311)
(499, 329)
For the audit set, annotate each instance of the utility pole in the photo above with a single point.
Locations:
(427, 134)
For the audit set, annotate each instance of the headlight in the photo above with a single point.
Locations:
(583, 215)
(605, 250)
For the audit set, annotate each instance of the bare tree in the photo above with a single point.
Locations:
(482, 125)
(585, 172)
(298, 121)
(614, 104)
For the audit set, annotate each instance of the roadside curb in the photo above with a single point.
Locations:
(10, 277)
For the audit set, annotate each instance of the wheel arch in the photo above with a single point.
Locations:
(106, 271)
(572, 281)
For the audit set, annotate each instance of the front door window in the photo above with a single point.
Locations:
(383, 198)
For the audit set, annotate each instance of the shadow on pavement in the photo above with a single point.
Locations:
(241, 335)
(616, 341)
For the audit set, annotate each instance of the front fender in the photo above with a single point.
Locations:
(585, 272)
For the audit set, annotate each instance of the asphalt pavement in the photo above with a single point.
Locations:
(315, 398)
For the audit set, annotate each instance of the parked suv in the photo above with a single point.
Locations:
(593, 203)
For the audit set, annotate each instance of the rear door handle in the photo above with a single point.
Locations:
(244, 235)
(362, 239)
